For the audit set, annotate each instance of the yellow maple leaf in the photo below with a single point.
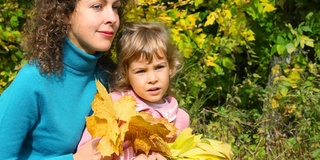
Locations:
(109, 120)
(150, 134)
(116, 122)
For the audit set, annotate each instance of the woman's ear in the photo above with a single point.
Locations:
(67, 19)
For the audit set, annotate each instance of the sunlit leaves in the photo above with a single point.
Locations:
(290, 48)
(12, 17)
(248, 35)
(118, 121)
(267, 7)
(189, 146)
(305, 40)
(211, 18)
(149, 134)
(108, 121)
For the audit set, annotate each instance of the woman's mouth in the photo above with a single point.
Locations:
(107, 34)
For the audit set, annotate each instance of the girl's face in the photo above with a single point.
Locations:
(94, 24)
(150, 81)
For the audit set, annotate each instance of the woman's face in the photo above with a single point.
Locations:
(94, 24)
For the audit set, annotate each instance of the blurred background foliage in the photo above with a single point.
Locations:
(251, 76)
(12, 16)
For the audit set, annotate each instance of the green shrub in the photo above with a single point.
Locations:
(251, 74)
(12, 17)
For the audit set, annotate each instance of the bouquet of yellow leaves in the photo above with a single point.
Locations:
(117, 122)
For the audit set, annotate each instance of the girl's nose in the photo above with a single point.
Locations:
(152, 77)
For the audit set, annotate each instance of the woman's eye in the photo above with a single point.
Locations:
(116, 8)
(97, 7)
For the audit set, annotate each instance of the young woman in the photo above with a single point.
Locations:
(42, 113)
(147, 62)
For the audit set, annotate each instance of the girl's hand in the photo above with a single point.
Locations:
(152, 156)
(88, 151)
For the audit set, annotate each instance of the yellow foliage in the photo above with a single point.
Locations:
(188, 146)
(211, 18)
(200, 39)
(248, 34)
(116, 122)
(210, 60)
(147, 133)
(267, 7)
(305, 40)
(274, 103)
(109, 120)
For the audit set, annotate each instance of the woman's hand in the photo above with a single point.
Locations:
(88, 151)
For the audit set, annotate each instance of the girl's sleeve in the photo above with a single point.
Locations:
(86, 137)
(18, 113)
(127, 154)
(182, 120)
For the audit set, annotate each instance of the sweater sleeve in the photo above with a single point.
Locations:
(18, 112)
(63, 157)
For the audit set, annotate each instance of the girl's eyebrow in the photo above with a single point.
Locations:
(116, 1)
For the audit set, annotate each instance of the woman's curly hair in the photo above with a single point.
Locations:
(44, 33)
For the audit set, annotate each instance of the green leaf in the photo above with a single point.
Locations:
(306, 28)
(14, 21)
(280, 49)
(290, 48)
(284, 90)
(280, 40)
(227, 62)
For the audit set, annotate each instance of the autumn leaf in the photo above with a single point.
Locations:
(161, 121)
(110, 120)
(150, 134)
(191, 146)
(116, 122)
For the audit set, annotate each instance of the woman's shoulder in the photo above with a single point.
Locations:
(28, 74)
(29, 71)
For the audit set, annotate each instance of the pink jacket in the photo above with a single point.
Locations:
(171, 112)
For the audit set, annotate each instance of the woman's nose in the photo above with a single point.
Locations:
(111, 16)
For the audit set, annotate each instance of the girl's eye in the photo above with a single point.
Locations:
(97, 7)
(140, 71)
(160, 67)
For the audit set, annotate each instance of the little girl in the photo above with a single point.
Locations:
(147, 61)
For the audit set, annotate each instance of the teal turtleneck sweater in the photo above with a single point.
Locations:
(43, 117)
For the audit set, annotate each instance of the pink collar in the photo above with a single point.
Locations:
(168, 111)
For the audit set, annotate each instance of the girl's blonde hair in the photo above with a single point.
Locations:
(144, 40)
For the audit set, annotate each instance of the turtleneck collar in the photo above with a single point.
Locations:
(77, 59)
